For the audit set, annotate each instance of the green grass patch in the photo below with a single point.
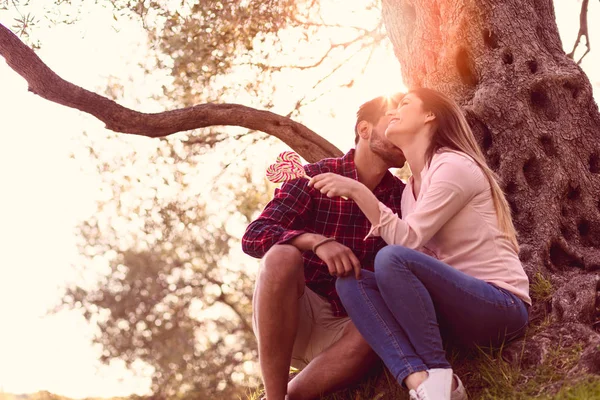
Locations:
(541, 288)
(502, 380)
(588, 389)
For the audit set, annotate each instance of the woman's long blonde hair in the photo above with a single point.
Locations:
(453, 132)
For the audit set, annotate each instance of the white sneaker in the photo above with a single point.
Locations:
(437, 386)
(459, 393)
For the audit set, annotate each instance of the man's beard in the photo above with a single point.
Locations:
(389, 153)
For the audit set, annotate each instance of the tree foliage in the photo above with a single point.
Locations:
(200, 42)
(169, 295)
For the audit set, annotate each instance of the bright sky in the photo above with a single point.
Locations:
(45, 194)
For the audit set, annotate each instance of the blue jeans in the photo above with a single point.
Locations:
(399, 310)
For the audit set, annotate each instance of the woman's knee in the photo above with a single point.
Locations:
(391, 256)
(349, 287)
(392, 253)
(346, 286)
(393, 264)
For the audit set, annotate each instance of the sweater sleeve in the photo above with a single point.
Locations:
(453, 183)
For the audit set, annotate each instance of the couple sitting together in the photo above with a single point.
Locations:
(358, 267)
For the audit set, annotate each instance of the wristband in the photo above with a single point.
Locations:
(326, 240)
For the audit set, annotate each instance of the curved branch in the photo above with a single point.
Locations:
(47, 84)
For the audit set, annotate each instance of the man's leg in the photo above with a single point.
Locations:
(279, 285)
(341, 364)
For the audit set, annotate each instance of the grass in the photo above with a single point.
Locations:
(541, 288)
(487, 376)
(588, 389)
(380, 387)
(502, 380)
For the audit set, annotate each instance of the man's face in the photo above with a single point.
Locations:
(382, 147)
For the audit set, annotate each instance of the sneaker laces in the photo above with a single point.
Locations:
(413, 395)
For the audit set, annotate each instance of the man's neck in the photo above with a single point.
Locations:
(370, 168)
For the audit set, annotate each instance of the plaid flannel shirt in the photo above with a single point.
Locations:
(297, 208)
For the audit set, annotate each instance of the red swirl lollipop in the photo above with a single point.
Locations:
(286, 168)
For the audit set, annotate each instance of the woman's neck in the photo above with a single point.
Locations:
(415, 156)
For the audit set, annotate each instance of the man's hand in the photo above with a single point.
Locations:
(340, 260)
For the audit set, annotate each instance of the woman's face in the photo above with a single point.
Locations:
(407, 121)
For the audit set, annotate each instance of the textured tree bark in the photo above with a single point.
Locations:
(532, 109)
(47, 84)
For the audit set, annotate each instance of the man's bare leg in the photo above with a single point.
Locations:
(343, 363)
(280, 284)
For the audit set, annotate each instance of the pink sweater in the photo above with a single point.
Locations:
(454, 220)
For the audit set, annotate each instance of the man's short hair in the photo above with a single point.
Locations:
(374, 109)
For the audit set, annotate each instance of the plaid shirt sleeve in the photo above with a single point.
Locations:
(282, 219)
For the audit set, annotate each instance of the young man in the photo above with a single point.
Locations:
(305, 241)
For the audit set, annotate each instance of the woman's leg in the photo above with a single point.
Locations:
(415, 286)
(377, 325)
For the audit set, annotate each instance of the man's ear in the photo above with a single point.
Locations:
(364, 129)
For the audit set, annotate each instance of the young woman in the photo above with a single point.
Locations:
(471, 284)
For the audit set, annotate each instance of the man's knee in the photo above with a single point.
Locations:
(283, 264)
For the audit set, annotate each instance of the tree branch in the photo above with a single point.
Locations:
(583, 31)
(232, 305)
(47, 84)
(375, 40)
(376, 33)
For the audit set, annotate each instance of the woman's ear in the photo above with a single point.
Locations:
(429, 117)
(364, 129)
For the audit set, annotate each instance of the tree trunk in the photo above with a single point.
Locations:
(532, 110)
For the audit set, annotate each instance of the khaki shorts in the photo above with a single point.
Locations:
(318, 328)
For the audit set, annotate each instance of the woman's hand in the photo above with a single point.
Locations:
(333, 185)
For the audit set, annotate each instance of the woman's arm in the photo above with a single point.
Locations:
(454, 181)
(333, 185)
(368, 203)
(436, 206)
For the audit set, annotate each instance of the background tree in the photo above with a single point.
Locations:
(169, 295)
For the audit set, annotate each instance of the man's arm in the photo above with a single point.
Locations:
(283, 221)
